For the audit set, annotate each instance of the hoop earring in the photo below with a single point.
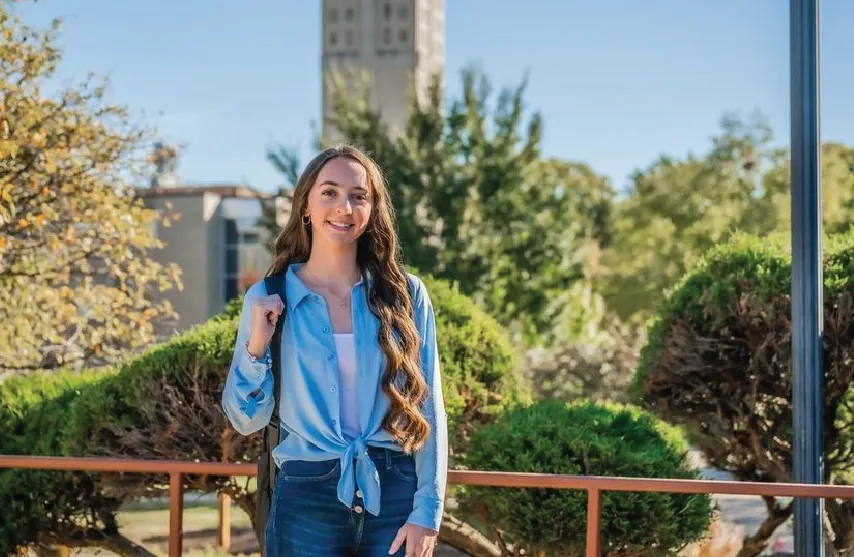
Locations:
(306, 220)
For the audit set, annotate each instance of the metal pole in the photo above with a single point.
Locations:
(176, 514)
(807, 311)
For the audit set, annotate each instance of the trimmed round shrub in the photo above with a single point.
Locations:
(591, 439)
(719, 357)
(165, 404)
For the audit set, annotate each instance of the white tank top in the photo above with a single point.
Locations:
(346, 348)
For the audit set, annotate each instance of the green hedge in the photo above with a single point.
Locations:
(586, 438)
(718, 361)
(33, 410)
(165, 404)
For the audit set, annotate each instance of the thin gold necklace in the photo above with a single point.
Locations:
(318, 281)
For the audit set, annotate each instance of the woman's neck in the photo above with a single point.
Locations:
(338, 268)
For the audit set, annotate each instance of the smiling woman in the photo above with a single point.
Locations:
(360, 402)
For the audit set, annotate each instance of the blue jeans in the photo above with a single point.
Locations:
(308, 520)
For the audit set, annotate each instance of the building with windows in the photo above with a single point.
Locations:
(217, 240)
(398, 44)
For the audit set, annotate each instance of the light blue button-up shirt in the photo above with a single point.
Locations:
(309, 407)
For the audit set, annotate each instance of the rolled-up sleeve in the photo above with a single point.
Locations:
(431, 461)
(247, 398)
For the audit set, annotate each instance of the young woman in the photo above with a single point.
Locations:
(363, 460)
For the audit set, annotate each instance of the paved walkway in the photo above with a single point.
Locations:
(743, 510)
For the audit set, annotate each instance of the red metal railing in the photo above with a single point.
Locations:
(594, 486)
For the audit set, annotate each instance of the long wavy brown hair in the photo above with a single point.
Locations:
(377, 254)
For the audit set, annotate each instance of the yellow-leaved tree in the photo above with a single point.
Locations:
(77, 283)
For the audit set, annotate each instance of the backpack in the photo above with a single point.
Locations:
(266, 479)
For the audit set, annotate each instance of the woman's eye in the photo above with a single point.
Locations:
(328, 192)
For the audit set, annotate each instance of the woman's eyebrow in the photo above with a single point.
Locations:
(361, 189)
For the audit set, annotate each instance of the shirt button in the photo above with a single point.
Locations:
(359, 493)
(358, 509)
(330, 357)
(326, 329)
(333, 388)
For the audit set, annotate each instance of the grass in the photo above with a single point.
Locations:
(147, 524)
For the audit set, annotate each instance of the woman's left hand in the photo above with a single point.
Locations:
(419, 541)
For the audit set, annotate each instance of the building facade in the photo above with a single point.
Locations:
(399, 45)
(218, 241)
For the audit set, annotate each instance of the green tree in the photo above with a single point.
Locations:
(76, 284)
(837, 189)
(676, 210)
(476, 201)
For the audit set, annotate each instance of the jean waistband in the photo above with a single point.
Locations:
(379, 454)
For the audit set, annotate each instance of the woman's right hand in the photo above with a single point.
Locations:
(265, 314)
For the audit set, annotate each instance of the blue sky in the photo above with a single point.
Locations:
(618, 81)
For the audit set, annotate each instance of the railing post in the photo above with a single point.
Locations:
(176, 513)
(224, 534)
(594, 526)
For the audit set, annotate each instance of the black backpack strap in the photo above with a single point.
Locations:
(275, 284)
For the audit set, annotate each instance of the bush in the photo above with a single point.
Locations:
(36, 503)
(598, 369)
(719, 357)
(479, 374)
(165, 404)
(590, 353)
(593, 439)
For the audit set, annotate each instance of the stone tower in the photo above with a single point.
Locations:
(391, 42)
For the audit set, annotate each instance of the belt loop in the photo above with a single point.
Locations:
(387, 459)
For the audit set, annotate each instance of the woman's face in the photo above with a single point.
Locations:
(339, 203)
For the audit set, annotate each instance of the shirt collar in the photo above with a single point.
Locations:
(295, 289)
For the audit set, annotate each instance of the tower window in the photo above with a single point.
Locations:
(387, 35)
(333, 38)
(349, 37)
(387, 11)
(333, 15)
(403, 11)
(402, 36)
(349, 15)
